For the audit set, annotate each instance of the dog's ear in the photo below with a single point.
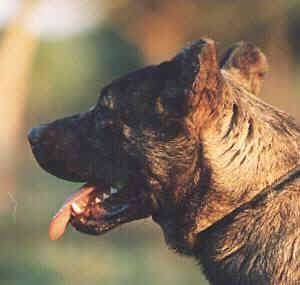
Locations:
(191, 78)
(246, 64)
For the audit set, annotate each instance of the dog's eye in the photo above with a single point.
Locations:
(170, 130)
(104, 118)
(106, 123)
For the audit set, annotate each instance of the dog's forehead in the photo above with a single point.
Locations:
(136, 87)
(169, 78)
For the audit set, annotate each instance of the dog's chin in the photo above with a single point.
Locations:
(97, 208)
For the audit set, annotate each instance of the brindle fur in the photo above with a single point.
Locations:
(205, 145)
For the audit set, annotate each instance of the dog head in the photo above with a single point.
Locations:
(139, 149)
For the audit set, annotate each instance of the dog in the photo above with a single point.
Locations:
(188, 143)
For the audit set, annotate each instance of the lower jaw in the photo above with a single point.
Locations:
(92, 227)
(90, 210)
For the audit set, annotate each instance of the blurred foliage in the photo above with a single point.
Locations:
(69, 74)
(67, 78)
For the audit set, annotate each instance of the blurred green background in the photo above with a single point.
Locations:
(55, 56)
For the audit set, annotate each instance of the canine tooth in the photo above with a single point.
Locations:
(76, 208)
(105, 196)
(113, 190)
(97, 200)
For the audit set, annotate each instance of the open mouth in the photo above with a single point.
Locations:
(97, 208)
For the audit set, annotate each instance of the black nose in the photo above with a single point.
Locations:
(35, 134)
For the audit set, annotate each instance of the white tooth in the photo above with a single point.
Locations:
(97, 200)
(113, 190)
(76, 208)
(105, 196)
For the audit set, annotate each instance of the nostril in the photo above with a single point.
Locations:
(34, 135)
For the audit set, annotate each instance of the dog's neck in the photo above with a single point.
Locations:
(247, 148)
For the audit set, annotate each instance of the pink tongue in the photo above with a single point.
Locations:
(60, 221)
